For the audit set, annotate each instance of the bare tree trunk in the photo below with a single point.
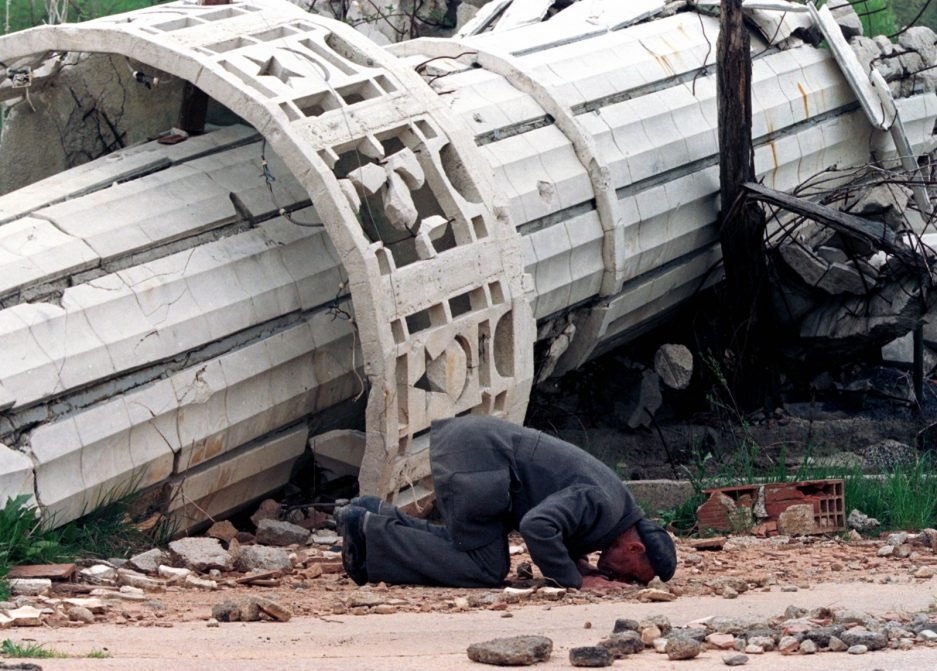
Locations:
(57, 11)
(742, 223)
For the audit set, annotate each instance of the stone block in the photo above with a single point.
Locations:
(263, 558)
(43, 346)
(60, 486)
(89, 457)
(201, 554)
(34, 251)
(280, 533)
(244, 475)
(661, 494)
(674, 365)
(16, 475)
(340, 451)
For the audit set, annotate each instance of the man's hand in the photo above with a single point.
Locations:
(599, 583)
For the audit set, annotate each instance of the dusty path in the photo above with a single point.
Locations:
(422, 641)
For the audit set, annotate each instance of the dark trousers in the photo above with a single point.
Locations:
(407, 550)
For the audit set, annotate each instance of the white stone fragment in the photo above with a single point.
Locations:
(406, 164)
(173, 574)
(98, 574)
(199, 583)
(25, 616)
(30, 586)
(398, 204)
(369, 178)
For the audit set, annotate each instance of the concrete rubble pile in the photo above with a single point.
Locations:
(382, 244)
(841, 294)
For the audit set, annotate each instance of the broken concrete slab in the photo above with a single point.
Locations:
(201, 554)
(262, 558)
(29, 586)
(149, 561)
(280, 533)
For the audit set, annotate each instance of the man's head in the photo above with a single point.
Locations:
(640, 553)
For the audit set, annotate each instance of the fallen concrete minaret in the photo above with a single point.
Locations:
(382, 245)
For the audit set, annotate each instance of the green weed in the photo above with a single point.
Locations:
(10, 648)
(903, 498)
(25, 540)
(98, 654)
(107, 531)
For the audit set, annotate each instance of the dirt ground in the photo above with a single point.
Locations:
(318, 588)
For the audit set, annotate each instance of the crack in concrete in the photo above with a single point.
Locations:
(56, 406)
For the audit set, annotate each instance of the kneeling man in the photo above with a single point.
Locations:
(492, 477)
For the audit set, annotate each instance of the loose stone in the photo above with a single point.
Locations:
(734, 660)
(837, 645)
(80, 614)
(514, 651)
(682, 648)
(280, 533)
(623, 644)
(857, 650)
(650, 634)
(624, 624)
(788, 645)
(590, 656)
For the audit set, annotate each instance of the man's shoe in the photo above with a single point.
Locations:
(370, 503)
(354, 545)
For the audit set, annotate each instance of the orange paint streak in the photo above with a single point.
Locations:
(803, 94)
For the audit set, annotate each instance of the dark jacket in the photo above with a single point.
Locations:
(492, 476)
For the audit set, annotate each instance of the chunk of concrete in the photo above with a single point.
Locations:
(149, 561)
(797, 520)
(201, 554)
(674, 365)
(281, 533)
(262, 558)
(921, 39)
(802, 261)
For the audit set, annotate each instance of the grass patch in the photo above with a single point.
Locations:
(107, 531)
(905, 498)
(24, 540)
(9, 648)
(98, 654)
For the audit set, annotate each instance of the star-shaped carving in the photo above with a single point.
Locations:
(272, 67)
